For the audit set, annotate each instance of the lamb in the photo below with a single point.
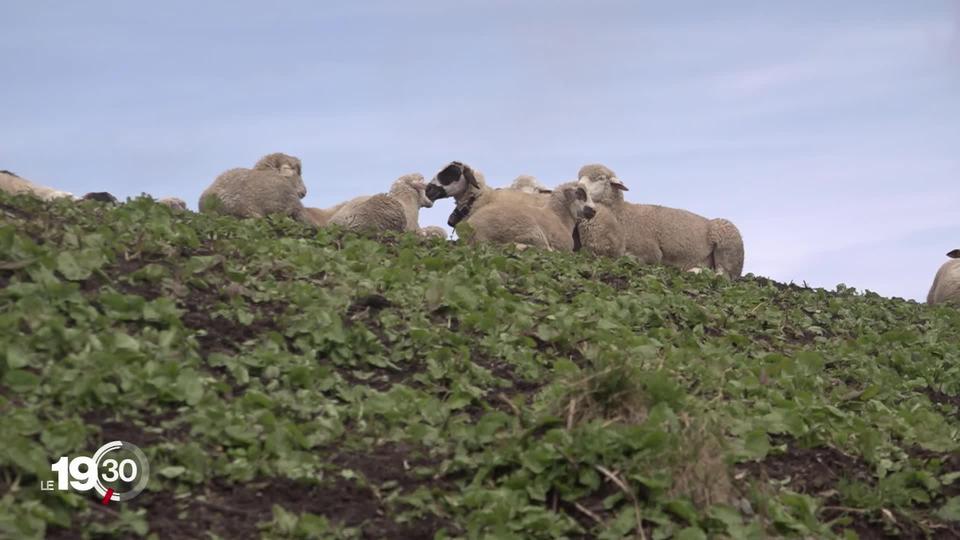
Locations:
(529, 184)
(468, 187)
(549, 226)
(946, 284)
(601, 235)
(14, 185)
(397, 210)
(321, 216)
(432, 231)
(174, 203)
(657, 234)
(273, 186)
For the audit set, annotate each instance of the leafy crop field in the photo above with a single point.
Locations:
(287, 383)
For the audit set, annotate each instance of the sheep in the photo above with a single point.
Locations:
(174, 203)
(100, 196)
(601, 235)
(321, 216)
(550, 226)
(468, 187)
(529, 184)
(432, 231)
(14, 184)
(273, 186)
(946, 284)
(658, 234)
(397, 210)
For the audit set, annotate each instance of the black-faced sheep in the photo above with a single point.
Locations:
(467, 186)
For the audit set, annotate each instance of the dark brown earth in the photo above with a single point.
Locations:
(234, 510)
(818, 471)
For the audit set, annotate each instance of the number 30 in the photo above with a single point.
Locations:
(114, 471)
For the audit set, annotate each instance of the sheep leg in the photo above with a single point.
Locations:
(648, 252)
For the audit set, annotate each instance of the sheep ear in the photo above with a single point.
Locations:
(618, 184)
(468, 174)
(955, 254)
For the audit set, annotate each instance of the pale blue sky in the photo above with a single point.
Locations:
(829, 132)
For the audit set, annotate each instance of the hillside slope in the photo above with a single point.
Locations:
(286, 383)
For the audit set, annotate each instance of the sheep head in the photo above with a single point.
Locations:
(174, 203)
(529, 184)
(453, 181)
(601, 183)
(412, 183)
(286, 166)
(576, 199)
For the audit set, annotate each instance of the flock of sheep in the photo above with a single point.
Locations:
(587, 214)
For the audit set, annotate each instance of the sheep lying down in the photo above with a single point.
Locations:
(657, 234)
(549, 226)
(14, 184)
(946, 284)
(432, 231)
(396, 210)
(529, 184)
(273, 186)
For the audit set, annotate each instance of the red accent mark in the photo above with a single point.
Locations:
(106, 498)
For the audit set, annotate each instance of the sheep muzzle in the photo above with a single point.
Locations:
(435, 192)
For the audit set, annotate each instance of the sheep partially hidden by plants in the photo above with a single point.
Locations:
(549, 226)
(101, 196)
(529, 184)
(174, 203)
(432, 231)
(946, 284)
(658, 234)
(467, 186)
(601, 235)
(273, 186)
(14, 184)
(396, 210)
(321, 216)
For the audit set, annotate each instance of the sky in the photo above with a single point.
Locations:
(828, 132)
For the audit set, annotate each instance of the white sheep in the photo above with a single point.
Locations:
(601, 235)
(175, 203)
(946, 284)
(321, 216)
(273, 186)
(432, 231)
(467, 186)
(14, 184)
(661, 235)
(550, 226)
(529, 184)
(397, 210)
